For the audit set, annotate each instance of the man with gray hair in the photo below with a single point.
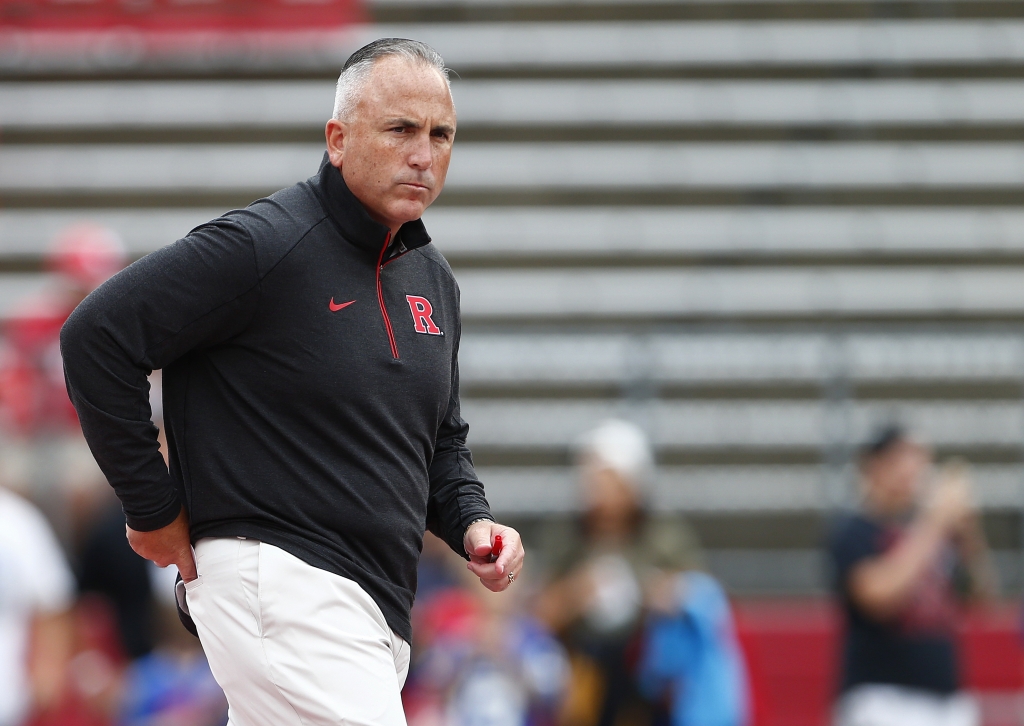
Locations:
(309, 346)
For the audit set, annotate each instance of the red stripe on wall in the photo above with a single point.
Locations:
(164, 16)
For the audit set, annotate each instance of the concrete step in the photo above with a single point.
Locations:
(769, 425)
(511, 236)
(210, 105)
(56, 169)
(767, 490)
(766, 43)
(568, 360)
(766, 294)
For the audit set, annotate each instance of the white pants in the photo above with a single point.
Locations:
(293, 645)
(878, 705)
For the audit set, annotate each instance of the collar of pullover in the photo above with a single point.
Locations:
(355, 223)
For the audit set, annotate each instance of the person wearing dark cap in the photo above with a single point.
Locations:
(309, 347)
(894, 564)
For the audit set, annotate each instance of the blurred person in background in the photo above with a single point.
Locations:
(107, 567)
(37, 421)
(895, 563)
(690, 655)
(33, 394)
(74, 652)
(479, 659)
(601, 571)
(105, 563)
(172, 685)
(97, 654)
(36, 592)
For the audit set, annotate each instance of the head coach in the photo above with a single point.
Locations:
(309, 346)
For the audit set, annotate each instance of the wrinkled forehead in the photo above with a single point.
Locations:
(398, 85)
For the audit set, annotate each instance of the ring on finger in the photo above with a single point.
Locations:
(511, 578)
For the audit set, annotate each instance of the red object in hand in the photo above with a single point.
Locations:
(496, 547)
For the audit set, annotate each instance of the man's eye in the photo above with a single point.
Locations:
(399, 129)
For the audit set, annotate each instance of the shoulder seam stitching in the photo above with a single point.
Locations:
(447, 270)
(258, 283)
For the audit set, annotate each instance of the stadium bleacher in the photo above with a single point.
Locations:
(502, 103)
(757, 228)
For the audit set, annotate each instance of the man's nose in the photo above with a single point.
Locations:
(421, 156)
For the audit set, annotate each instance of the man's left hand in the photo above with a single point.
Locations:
(479, 541)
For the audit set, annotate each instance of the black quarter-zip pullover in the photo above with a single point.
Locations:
(310, 384)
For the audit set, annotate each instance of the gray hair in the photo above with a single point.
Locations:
(357, 68)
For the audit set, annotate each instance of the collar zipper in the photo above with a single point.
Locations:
(380, 298)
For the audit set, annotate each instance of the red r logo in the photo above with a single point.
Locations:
(421, 312)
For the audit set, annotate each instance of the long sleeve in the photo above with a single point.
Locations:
(456, 494)
(194, 293)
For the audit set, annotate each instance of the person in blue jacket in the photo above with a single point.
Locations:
(692, 657)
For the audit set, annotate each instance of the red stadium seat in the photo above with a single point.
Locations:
(792, 653)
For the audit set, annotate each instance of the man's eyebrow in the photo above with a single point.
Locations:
(410, 124)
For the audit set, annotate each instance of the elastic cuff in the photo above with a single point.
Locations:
(156, 520)
(467, 521)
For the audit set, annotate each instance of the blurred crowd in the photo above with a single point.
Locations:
(615, 622)
(88, 630)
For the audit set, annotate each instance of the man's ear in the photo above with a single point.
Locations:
(335, 133)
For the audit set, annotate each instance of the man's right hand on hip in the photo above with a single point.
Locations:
(166, 546)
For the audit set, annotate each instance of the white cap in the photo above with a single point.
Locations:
(621, 446)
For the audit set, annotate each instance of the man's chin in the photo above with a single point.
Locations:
(409, 209)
